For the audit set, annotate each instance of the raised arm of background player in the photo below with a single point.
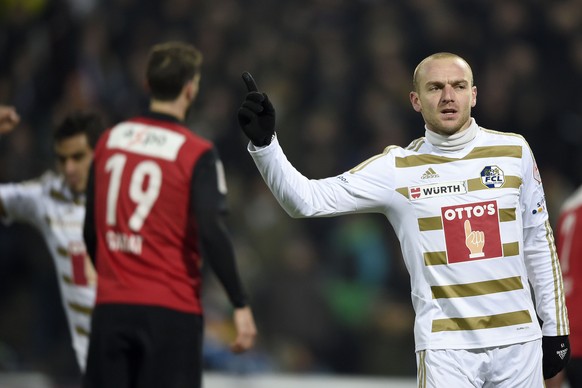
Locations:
(207, 207)
(8, 120)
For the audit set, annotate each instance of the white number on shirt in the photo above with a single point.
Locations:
(144, 197)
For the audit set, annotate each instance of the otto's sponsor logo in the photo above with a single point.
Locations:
(437, 190)
(492, 177)
(472, 231)
(468, 212)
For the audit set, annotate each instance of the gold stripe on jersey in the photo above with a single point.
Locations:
(82, 331)
(511, 182)
(482, 322)
(435, 258)
(80, 308)
(62, 251)
(477, 288)
(562, 323)
(426, 224)
(440, 257)
(421, 373)
(403, 191)
(502, 133)
(58, 196)
(370, 160)
(510, 249)
(506, 215)
(416, 144)
(67, 279)
(476, 153)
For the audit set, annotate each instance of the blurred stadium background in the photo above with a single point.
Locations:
(331, 296)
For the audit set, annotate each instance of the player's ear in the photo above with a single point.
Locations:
(415, 101)
(191, 89)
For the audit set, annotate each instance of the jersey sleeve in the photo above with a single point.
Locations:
(208, 199)
(20, 201)
(89, 230)
(540, 254)
(364, 189)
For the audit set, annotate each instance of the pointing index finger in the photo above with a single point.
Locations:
(249, 82)
(467, 226)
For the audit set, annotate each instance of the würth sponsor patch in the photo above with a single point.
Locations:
(437, 190)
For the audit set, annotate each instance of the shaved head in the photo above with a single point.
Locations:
(442, 55)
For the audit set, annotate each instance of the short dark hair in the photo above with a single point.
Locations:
(79, 122)
(170, 66)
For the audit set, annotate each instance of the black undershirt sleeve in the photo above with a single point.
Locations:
(208, 206)
(89, 231)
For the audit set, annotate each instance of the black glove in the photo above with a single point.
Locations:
(256, 116)
(556, 354)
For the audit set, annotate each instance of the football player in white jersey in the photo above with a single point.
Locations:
(54, 203)
(467, 205)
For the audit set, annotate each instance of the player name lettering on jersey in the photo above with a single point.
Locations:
(437, 190)
(146, 140)
(130, 243)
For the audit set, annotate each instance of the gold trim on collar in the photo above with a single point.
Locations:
(476, 153)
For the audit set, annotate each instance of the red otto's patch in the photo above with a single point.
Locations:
(77, 254)
(472, 231)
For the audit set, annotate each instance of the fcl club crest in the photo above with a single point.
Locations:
(492, 177)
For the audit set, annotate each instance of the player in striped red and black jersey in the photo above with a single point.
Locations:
(155, 204)
(569, 244)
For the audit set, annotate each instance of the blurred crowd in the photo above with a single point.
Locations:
(330, 295)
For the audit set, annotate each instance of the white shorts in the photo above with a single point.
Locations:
(511, 366)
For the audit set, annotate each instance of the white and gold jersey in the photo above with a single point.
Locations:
(473, 229)
(49, 206)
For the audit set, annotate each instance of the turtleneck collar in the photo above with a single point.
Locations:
(453, 142)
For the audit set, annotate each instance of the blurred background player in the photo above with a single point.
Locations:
(569, 244)
(55, 205)
(156, 198)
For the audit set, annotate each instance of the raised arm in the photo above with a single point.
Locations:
(360, 190)
(8, 120)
